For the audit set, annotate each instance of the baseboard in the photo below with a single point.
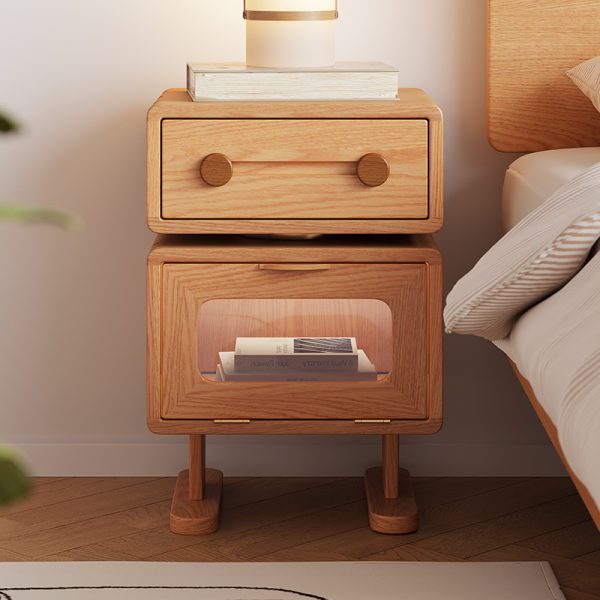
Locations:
(292, 457)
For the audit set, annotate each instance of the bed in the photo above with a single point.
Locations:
(553, 343)
(533, 178)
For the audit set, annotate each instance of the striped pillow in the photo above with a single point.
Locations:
(533, 260)
(587, 77)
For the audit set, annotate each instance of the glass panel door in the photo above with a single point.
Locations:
(288, 340)
(375, 313)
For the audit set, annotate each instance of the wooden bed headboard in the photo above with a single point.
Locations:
(532, 104)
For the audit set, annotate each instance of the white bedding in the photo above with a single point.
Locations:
(556, 343)
(533, 178)
(556, 346)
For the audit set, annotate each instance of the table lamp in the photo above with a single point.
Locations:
(290, 33)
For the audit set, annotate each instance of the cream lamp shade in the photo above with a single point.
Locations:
(290, 33)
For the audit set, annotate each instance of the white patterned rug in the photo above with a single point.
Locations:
(278, 581)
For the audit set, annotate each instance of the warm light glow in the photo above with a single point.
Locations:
(290, 44)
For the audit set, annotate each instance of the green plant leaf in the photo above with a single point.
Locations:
(32, 215)
(7, 125)
(14, 482)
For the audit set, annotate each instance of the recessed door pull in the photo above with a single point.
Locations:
(231, 421)
(294, 267)
(371, 421)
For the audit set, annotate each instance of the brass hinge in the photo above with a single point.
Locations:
(231, 421)
(371, 421)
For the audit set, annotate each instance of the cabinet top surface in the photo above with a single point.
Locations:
(410, 103)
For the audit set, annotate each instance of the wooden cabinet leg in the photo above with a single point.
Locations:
(390, 497)
(197, 458)
(391, 449)
(197, 499)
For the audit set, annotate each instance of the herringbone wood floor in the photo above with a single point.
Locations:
(303, 519)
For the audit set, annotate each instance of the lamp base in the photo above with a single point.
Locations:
(290, 44)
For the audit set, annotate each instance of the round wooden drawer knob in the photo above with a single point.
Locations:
(373, 170)
(216, 170)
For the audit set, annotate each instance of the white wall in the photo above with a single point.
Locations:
(80, 75)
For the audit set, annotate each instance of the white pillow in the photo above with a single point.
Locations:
(587, 77)
(533, 260)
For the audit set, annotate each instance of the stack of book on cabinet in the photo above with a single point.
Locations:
(295, 359)
(342, 81)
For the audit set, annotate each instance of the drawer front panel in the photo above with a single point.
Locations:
(295, 169)
(204, 307)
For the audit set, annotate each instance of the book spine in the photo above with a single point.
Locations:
(336, 363)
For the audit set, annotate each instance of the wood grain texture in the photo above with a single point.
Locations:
(532, 104)
(185, 402)
(216, 170)
(324, 250)
(373, 169)
(93, 518)
(411, 103)
(445, 505)
(390, 459)
(391, 516)
(510, 528)
(294, 169)
(186, 394)
(54, 490)
(553, 435)
(293, 267)
(197, 464)
(306, 519)
(293, 427)
(569, 542)
(153, 339)
(294, 227)
(196, 517)
(411, 201)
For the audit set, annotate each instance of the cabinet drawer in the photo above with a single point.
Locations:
(205, 307)
(295, 169)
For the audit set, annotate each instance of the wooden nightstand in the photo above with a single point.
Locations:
(204, 292)
(295, 168)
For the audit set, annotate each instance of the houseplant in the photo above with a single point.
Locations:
(14, 482)
(24, 214)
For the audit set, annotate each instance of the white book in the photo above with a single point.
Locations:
(343, 81)
(332, 354)
(227, 372)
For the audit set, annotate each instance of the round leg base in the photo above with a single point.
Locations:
(197, 517)
(391, 515)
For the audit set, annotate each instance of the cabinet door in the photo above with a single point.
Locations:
(206, 307)
(295, 169)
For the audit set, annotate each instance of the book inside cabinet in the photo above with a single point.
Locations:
(300, 339)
